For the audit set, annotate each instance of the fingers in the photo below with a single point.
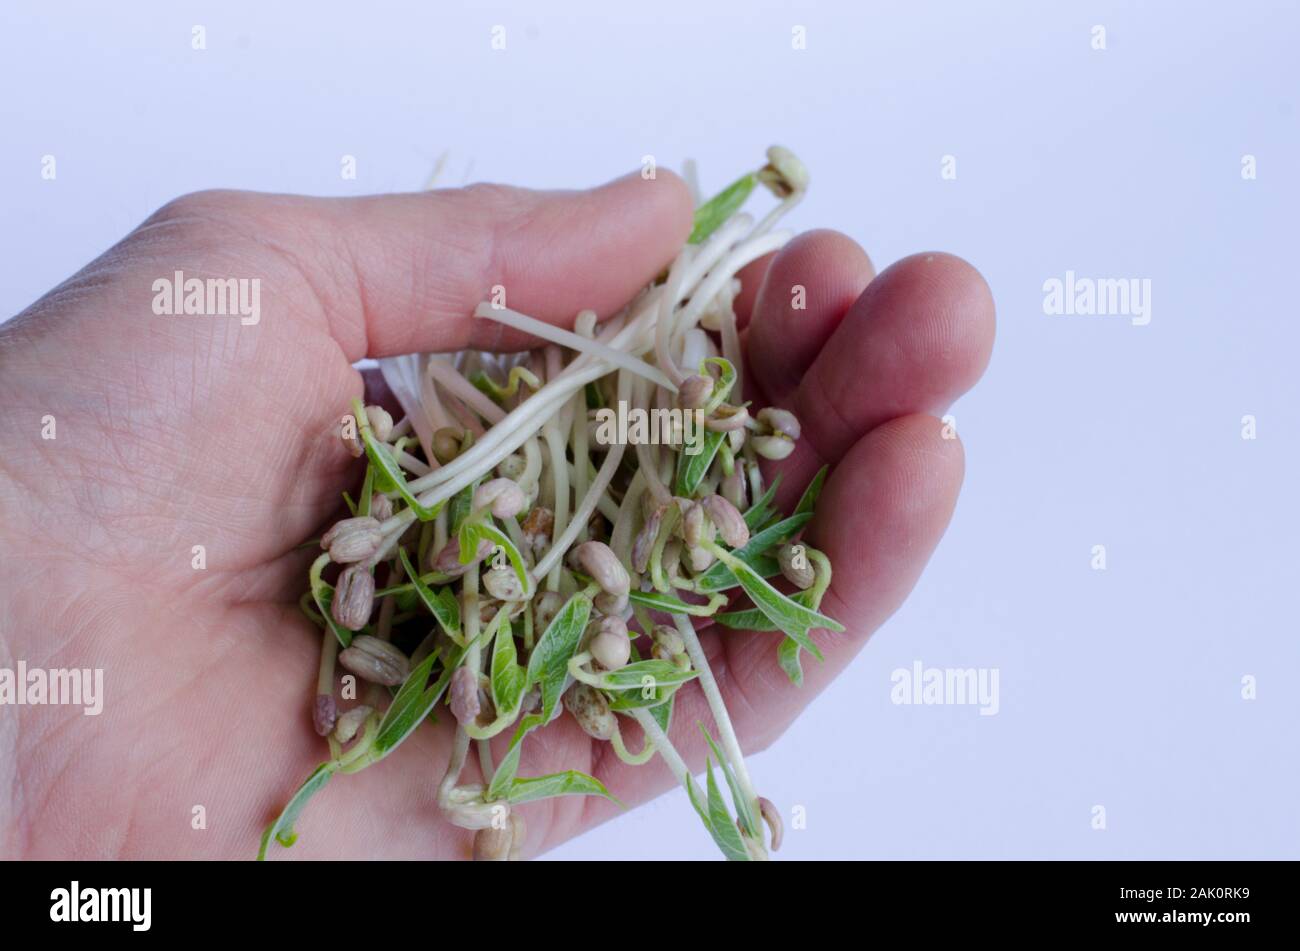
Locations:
(809, 287)
(916, 339)
(395, 274)
(419, 264)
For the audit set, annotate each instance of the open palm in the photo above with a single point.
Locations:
(154, 536)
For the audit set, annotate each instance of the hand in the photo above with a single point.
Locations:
(173, 432)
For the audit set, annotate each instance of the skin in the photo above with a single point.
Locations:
(181, 431)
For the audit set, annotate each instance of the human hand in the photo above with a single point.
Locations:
(175, 432)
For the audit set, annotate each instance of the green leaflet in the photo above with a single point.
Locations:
(725, 833)
(719, 577)
(710, 215)
(757, 515)
(367, 491)
(692, 469)
(412, 703)
(659, 699)
(548, 665)
(789, 616)
(441, 604)
(504, 776)
(472, 532)
(323, 594)
(663, 713)
(808, 501)
(787, 655)
(387, 466)
(720, 816)
(744, 808)
(499, 394)
(752, 619)
(462, 504)
(721, 386)
(647, 676)
(282, 828)
(508, 677)
(669, 605)
(568, 783)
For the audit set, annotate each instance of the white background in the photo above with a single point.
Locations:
(1119, 688)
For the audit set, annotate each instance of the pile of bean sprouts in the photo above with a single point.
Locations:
(505, 565)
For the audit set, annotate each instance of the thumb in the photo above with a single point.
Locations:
(402, 273)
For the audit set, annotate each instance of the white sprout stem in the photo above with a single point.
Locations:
(620, 537)
(518, 425)
(412, 464)
(575, 376)
(777, 213)
(329, 651)
(664, 324)
(691, 173)
(727, 733)
(447, 376)
(731, 342)
(718, 278)
(532, 465)
(456, 763)
(581, 455)
(663, 746)
(551, 561)
(567, 338)
(560, 477)
(608, 507)
(436, 412)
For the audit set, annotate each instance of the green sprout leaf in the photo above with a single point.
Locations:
(720, 577)
(568, 783)
(470, 535)
(721, 386)
(789, 616)
(412, 703)
(752, 619)
(787, 655)
(548, 665)
(441, 604)
(646, 675)
(382, 459)
(504, 776)
(728, 836)
(710, 215)
(758, 514)
(808, 501)
(692, 469)
(666, 603)
(367, 491)
(282, 828)
(508, 677)
(744, 808)
(720, 816)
